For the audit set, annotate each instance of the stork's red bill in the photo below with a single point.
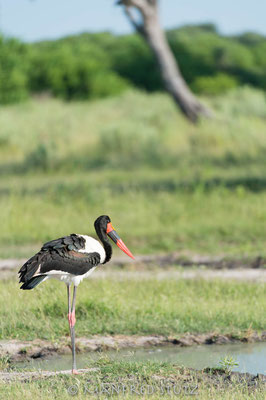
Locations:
(111, 232)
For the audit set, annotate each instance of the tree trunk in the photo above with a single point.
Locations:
(173, 81)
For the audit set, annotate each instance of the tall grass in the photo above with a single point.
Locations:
(167, 184)
(151, 214)
(168, 307)
(133, 130)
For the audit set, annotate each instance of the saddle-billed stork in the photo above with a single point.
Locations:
(71, 259)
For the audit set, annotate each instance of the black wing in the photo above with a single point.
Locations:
(72, 242)
(60, 255)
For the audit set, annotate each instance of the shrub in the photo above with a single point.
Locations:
(98, 65)
(107, 83)
(213, 85)
(72, 76)
(13, 71)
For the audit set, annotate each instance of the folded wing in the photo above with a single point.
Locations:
(60, 255)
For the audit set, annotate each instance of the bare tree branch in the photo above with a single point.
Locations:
(153, 2)
(174, 83)
(133, 3)
(139, 27)
(143, 5)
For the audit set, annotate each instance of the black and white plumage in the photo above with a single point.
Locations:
(70, 259)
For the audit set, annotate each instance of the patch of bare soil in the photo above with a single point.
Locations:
(164, 267)
(188, 259)
(17, 350)
(34, 375)
(184, 258)
(250, 275)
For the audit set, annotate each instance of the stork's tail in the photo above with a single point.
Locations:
(30, 284)
(30, 268)
(28, 273)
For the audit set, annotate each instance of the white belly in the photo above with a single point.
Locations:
(68, 278)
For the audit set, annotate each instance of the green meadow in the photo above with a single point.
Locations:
(167, 184)
(126, 380)
(110, 306)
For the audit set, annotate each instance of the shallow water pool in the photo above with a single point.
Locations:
(250, 356)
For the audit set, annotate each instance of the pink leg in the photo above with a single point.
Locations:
(72, 320)
(69, 305)
(75, 372)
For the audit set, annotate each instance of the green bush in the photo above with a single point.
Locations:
(74, 76)
(107, 83)
(13, 71)
(132, 59)
(213, 85)
(99, 65)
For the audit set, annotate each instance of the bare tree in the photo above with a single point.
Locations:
(149, 28)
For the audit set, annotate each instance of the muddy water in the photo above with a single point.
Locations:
(251, 357)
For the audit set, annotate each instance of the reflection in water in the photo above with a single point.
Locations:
(251, 357)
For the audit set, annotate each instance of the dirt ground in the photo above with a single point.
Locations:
(165, 266)
(184, 258)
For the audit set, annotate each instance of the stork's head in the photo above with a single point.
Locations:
(103, 224)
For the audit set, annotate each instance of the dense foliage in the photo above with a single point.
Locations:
(98, 65)
(14, 71)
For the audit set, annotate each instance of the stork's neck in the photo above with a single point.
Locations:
(106, 245)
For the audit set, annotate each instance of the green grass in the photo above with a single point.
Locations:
(133, 131)
(135, 128)
(165, 307)
(168, 185)
(151, 213)
(166, 381)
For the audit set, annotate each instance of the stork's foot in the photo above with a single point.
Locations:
(75, 372)
(71, 319)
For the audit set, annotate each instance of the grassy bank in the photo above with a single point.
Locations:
(132, 307)
(168, 185)
(151, 213)
(130, 131)
(137, 380)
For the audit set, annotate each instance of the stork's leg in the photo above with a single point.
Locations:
(69, 304)
(72, 331)
(72, 321)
